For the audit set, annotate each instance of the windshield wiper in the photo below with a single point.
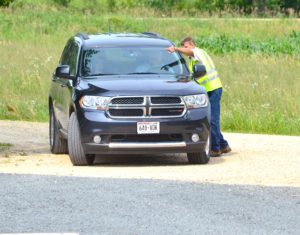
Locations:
(103, 74)
(141, 73)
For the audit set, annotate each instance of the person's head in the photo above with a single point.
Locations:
(188, 42)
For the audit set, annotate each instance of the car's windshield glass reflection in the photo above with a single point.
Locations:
(120, 61)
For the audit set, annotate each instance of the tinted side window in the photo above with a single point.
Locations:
(70, 55)
(73, 58)
(66, 54)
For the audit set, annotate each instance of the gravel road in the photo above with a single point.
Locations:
(142, 206)
(253, 190)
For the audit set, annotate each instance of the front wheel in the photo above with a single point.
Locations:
(198, 158)
(76, 152)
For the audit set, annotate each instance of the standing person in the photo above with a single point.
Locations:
(213, 86)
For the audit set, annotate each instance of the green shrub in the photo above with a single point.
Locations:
(5, 3)
(62, 2)
(223, 44)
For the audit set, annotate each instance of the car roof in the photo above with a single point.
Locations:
(123, 39)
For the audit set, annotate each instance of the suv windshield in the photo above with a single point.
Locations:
(131, 60)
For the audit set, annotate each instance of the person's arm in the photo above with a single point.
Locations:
(183, 50)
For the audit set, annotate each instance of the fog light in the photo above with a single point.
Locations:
(97, 139)
(195, 138)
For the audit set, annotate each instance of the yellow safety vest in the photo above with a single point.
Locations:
(211, 81)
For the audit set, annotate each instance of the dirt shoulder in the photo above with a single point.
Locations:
(255, 160)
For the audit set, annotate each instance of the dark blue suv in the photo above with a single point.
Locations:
(125, 94)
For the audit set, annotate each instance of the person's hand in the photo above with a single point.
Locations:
(171, 49)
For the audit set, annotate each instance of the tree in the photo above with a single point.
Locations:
(290, 4)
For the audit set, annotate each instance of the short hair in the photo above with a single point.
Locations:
(187, 39)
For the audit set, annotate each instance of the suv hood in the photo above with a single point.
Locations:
(135, 85)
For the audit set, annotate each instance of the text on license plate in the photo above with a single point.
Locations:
(147, 127)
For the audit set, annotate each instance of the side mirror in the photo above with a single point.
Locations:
(63, 71)
(199, 70)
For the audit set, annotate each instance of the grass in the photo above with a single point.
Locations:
(25, 79)
(260, 94)
(4, 146)
(258, 61)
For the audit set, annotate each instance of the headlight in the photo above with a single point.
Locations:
(94, 102)
(196, 101)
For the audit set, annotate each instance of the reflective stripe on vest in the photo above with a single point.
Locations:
(211, 80)
(191, 64)
(208, 80)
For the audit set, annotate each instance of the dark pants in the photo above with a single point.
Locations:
(217, 140)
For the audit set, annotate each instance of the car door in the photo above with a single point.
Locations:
(62, 87)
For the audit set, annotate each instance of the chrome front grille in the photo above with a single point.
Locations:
(146, 107)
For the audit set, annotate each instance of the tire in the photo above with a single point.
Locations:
(58, 145)
(198, 158)
(76, 152)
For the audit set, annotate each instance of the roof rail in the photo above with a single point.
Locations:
(82, 35)
(152, 34)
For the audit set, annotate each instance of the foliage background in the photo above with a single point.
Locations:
(185, 7)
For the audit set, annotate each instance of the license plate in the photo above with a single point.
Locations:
(148, 127)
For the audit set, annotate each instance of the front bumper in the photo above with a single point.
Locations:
(119, 136)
